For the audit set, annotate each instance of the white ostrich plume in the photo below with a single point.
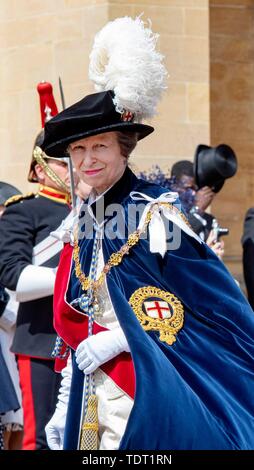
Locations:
(124, 59)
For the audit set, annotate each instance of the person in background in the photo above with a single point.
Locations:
(8, 397)
(198, 183)
(248, 254)
(195, 202)
(29, 257)
(6, 191)
(12, 420)
(182, 174)
(212, 166)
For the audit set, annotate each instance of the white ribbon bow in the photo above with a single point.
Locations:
(157, 232)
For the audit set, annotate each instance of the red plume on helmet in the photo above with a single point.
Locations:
(48, 110)
(47, 102)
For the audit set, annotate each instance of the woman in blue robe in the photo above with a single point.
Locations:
(160, 334)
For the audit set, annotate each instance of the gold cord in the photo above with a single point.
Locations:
(39, 156)
(114, 260)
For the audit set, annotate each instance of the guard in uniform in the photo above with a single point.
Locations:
(29, 258)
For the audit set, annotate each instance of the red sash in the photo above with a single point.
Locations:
(72, 327)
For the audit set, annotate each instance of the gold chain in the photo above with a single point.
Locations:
(116, 258)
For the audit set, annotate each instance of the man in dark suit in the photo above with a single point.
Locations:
(194, 200)
(29, 258)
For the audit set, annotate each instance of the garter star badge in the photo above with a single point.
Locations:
(158, 310)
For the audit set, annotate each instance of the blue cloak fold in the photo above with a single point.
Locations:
(198, 392)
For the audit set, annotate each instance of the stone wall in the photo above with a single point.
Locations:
(209, 52)
(47, 39)
(232, 116)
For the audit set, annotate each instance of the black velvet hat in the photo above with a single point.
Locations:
(7, 191)
(213, 165)
(94, 114)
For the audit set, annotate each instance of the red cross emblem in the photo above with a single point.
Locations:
(127, 116)
(158, 309)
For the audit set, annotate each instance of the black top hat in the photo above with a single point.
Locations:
(7, 191)
(94, 114)
(212, 165)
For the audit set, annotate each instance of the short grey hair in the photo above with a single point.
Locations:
(127, 142)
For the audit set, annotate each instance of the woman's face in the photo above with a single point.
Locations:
(98, 160)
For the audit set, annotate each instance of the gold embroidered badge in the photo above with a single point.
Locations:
(158, 310)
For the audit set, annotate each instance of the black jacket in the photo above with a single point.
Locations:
(22, 226)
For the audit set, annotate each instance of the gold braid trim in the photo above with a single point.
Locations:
(18, 198)
(39, 156)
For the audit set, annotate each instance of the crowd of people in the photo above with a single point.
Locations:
(120, 326)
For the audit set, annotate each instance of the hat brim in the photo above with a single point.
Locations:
(195, 163)
(59, 147)
(217, 187)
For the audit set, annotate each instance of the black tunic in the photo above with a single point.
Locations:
(22, 226)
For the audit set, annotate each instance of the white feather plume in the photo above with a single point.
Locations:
(124, 59)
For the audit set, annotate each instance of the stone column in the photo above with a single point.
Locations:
(232, 116)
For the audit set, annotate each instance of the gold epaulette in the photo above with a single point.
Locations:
(18, 198)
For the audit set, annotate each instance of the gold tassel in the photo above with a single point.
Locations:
(90, 427)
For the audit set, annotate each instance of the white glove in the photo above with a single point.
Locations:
(55, 427)
(35, 282)
(98, 349)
